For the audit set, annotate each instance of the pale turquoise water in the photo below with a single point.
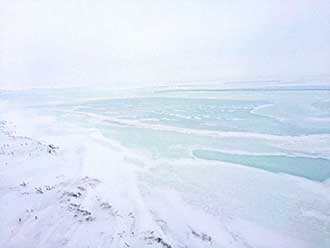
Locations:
(242, 126)
(312, 168)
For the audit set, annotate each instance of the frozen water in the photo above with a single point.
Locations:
(256, 158)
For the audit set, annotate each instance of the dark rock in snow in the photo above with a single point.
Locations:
(23, 184)
(202, 236)
(39, 190)
(52, 149)
(105, 205)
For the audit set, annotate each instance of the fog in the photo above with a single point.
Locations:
(135, 43)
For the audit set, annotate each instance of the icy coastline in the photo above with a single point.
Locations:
(65, 197)
(86, 193)
(71, 178)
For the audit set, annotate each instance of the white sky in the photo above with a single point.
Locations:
(109, 43)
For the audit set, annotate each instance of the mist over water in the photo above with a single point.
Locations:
(165, 123)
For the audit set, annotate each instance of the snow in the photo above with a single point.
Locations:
(79, 196)
(62, 185)
(86, 193)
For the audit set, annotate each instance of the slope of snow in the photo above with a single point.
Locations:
(75, 196)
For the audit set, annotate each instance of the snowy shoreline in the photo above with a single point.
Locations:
(51, 197)
(81, 190)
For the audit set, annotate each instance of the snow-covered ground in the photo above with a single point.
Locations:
(64, 185)
(77, 195)
(84, 193)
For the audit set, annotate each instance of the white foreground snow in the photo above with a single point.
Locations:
(79, 196)
(82, 191)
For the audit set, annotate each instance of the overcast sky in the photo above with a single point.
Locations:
(116, 43)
